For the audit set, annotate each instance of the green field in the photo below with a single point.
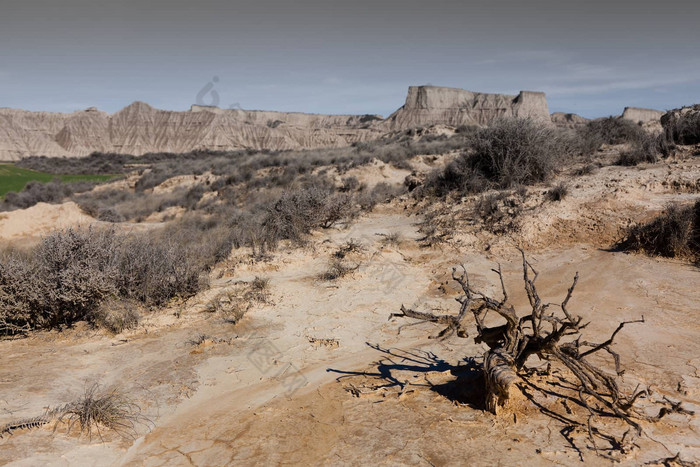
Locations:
(14, 178)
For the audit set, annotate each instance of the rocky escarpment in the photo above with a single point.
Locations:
(426, 105)
(682, 126)
(139, 128)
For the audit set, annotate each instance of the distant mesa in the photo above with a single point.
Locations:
(429, 105)
(636, 114)
(139, 128)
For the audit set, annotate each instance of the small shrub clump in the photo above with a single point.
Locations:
(337, 268)
(645, 149)
(509, 153)
(674, 233)
(557, 192)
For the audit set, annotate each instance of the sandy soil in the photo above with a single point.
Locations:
(40, 219)
(320, 375)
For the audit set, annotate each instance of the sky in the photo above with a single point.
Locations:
(590, 57)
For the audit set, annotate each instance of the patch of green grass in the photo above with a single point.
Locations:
(14, 178)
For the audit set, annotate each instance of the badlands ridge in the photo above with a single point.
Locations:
(139, 128)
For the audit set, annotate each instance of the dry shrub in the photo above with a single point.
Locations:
(351, 246)
(337, 269)
(298, 211)
(259, 289)
(674, 233)
(509, 153)
(74, 270)
(109, 215)
(587, 169)
(499, 211)
(295, 213)
(516, 152)
(71, 272)
(229, 304)
(338, 207)
(393, 239)
(615, 130)
(558, 192)
(155, 269)
(234, 303)
(116, 315)
(645, 149)
(381, 193)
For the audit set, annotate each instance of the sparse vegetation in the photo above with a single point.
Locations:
(37, 192)
(587, 169)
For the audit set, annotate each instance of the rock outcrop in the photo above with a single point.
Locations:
(427, 105)
(682, 126)
(139, 128)
(639, 115)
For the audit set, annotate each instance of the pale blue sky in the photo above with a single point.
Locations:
(590, 57)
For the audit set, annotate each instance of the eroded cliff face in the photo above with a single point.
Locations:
(428, 105)
(139, 128)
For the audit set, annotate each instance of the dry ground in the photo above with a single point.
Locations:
(319, 375)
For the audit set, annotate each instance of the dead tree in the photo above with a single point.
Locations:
(553, 334)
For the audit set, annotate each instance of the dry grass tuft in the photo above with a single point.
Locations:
(234, 303)
(393, 239)
(337, 269)
(97, 410)
(558, 192)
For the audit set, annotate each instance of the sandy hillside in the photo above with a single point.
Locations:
(320, 375)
